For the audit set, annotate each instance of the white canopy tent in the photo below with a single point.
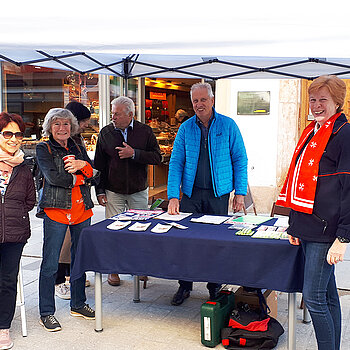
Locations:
(183, 39)
(180, 66)
(180, 39)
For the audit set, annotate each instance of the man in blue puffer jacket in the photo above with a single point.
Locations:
(208, 162)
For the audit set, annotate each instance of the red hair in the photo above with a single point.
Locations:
(335, 86)
(7, 118)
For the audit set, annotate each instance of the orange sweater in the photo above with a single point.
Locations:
(77, 213)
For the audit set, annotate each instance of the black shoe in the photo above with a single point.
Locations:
(180, 296)
(214, 293)
(50, 323)
(85, 311)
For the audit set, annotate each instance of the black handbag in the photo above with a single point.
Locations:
(251, 329)
(236, 339)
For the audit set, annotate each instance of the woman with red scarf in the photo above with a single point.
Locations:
(17, 198)
(317, 189)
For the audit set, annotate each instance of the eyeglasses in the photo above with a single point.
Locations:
(9, 134)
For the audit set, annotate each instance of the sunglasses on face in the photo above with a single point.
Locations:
(8, 135)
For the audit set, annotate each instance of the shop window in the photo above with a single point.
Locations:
(31, 91)
(116, 90)
(115, 87)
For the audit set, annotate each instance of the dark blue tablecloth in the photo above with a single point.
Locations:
(200, 253)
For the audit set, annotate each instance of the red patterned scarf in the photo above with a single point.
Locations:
(298, 191)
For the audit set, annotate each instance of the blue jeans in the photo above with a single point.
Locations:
(321, 295)
(54, 233)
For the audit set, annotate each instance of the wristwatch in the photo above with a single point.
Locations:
(343, 240)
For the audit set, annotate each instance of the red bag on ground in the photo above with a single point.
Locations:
(251, 329)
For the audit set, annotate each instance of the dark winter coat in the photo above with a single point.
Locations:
(15, 205)
(125, 176)
(331, 214)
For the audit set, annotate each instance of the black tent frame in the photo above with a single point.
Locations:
(128, 63)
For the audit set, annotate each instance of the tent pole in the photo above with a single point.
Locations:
(125, 76)
(141, 100)
(125, 86)
(104, 100)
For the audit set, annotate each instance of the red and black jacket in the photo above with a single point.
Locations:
(331, 214)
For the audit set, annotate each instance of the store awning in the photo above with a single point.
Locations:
(184, 39)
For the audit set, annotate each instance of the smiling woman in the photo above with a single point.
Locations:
(16, 191)
(316, 189)
(11, 138)
(326, 98)
(66, 201)
(61, 131)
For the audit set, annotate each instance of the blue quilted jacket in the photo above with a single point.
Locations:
(228, 158)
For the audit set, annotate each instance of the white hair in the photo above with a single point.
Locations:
(127, 102)
(202, 86)
(59, 113)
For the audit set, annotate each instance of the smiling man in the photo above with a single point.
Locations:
(207, 163)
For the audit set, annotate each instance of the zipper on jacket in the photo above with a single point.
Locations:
(211, 165)
(3, 217)
(14, 173)
(324, 222)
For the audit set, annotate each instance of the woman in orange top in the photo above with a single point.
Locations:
(66, 201)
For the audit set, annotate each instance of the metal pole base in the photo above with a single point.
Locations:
(136, 289)
(291, 321)
(306, 315)
(98, 302)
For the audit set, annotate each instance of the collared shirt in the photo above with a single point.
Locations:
(317, 127)
(204, 129)
(125, 131)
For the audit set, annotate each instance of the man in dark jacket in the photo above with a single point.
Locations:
(124, 150)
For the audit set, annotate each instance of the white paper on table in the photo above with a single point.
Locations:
(118, 225)
(160, 228)
(282, 222)
(284, 235)
(210, 219)
(267, 234)
(175, 217)
(138, 226)
(176, 225)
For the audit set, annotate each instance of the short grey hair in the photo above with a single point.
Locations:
(59, 113)
(202, 86)
(127, 102)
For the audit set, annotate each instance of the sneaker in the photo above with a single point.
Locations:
(84, 311)
(50, 323)
(62, 291)
(5, 340)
